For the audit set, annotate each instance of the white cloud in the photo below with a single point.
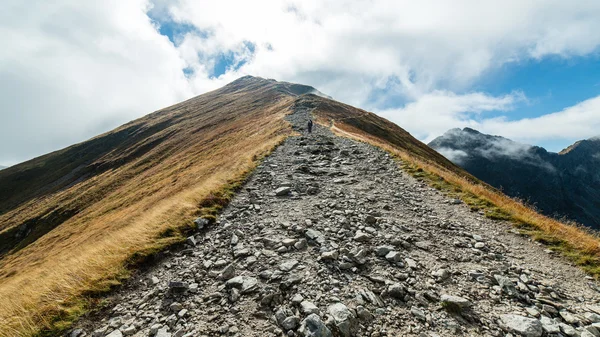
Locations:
(455, 156)
(70, 69)
(576, 122)
(432, 114)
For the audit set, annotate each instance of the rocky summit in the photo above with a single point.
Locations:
(329, 237)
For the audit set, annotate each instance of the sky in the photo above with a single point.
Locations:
(525, 70)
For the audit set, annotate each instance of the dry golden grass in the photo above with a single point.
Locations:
(100, 205)
(205, 144)
(576, 243)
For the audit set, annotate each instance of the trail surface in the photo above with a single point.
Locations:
(330, 238)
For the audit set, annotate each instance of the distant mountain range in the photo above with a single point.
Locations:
(564, 184)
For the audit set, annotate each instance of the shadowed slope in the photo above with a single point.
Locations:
(565, 184)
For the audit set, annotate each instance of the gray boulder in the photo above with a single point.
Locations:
(343, 318)
(524, 326)
(312, 326)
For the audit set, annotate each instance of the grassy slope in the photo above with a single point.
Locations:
(133, 185)
(97, 204)
(576, 243)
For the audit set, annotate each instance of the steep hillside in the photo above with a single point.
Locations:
(330, 238)
(70, 219)
(565, 184)
(73, 221)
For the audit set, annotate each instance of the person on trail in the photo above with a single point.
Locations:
(310, 124)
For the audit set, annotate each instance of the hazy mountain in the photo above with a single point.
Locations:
(559, 184)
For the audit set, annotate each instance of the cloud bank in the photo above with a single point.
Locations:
(72, 69)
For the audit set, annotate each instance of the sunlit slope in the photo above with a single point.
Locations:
(71, 218)
(577, 244)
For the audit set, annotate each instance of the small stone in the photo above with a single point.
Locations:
(77, 333)
(191, 241)
(282, 191)
(290, 323)
(383, 250)
(115, 333)
(568, 330)
(396, 290)
(441, 274)
(362, 237)
(330, 255)
(101, 332)
(411, 263)
(234, 239)
(227, 273)
(178, 286)
(130, 330)
(154, 329)
(568, 317)
(201, 223)
(288, 265)
(342, 318)
(312, 326)
(364, 314)
(479, 245)
(176, 306)
(455, 303)
(297, 299)
(592, 317)
(507, 286)
(418, 313)
(533, 312)
(393, 257)
(163, 333)
(371, 220)
(246, 284)
(300, 244)
(549, 325)
(308, 308)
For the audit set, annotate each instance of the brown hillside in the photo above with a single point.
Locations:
(71, 218)
(70, 221)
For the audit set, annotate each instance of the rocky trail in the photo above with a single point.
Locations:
(330, 238)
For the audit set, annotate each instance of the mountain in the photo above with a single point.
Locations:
(3, 167)
(221, 209)
(564, 184)
(82, 211)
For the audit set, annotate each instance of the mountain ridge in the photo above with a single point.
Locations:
(559, 184)
(73, 223)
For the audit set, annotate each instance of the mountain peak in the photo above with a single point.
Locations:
(253, 82)
(531, 172)
(472, 131)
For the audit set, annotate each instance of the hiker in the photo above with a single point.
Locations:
(310, 123)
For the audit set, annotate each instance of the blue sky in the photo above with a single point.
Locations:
(551, 84)
(525, 70)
